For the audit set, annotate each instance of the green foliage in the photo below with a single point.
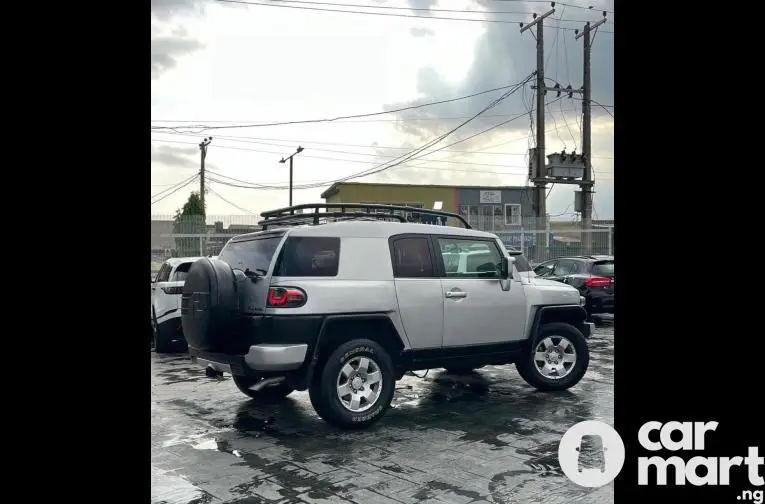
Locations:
(190, 220)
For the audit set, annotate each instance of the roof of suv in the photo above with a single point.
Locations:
(368, 229)
(175, 261)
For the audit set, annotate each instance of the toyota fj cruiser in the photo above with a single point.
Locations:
(342, 300)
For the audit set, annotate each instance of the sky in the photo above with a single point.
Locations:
(218, 64)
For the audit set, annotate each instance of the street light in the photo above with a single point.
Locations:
(284, 160)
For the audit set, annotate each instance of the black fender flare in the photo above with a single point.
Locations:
(568, 314)
(381, 316)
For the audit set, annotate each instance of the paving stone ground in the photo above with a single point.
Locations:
(481, 438)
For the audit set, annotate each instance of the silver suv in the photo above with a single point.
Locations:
(343, 300)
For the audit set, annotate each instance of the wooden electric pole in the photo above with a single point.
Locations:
(539, 175)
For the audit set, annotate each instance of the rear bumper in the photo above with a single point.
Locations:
(601, 303)
(260, 358)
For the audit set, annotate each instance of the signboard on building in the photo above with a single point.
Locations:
(518, 240)
(490, 197)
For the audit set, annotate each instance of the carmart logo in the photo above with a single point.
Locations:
(591, 453)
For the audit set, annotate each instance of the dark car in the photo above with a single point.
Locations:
(592, 275)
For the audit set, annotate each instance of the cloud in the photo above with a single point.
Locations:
(181, 157)
(165, 10)
(167, 48)
(503, 56)
(420, 31)
(422, 7)
(165, 52)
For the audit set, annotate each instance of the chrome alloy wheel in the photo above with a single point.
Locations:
(359, 384)
(555, 357)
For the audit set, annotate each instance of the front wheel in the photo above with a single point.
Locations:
(268, 394)
(355, 386)
(558, 358)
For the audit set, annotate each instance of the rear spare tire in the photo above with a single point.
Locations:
(209, 305)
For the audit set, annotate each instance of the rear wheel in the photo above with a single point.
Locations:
(163, 343)
(269, 393)
(557, 358)
(355, 386)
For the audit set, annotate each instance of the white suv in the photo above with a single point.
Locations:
(343, 309)
(166, 287)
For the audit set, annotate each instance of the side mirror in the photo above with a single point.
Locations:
(505, 265)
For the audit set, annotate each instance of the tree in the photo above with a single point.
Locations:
(190, 220)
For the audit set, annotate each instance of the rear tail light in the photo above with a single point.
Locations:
(173, 290)
(597, 282)
(286, 297)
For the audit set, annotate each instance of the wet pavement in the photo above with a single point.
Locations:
(484, 437)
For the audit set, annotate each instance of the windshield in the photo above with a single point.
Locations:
(251, 254)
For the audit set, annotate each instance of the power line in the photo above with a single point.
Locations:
(204, 127)
(329, 158)
(433, 142)
(210, 189)
(406, 157)
(173, 191)
(198, 122)
(172, 186)
(389, 14)
(403, 158)
(562, 4)
(409, 9)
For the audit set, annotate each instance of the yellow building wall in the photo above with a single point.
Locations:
(368, 193)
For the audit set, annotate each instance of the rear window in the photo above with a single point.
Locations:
(180, 273)
(603, 269)
(309, 257)
(251, 254)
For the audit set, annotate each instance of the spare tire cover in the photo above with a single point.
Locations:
(208, 304)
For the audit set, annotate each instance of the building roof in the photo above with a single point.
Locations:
(335, 188)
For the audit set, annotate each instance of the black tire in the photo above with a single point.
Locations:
(527, 367)
(268, 394)
(163, 343)
(323, 389)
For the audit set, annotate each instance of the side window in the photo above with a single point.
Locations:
(180, 273)
(544, 269)
(309, 257)
(477, 258)
(411, 258)
(563, 267)
(164, 273)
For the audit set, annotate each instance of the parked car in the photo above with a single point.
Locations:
(166, 287)
(592, 275)
(344, 309)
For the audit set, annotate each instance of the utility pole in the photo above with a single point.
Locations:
(587, 181)
(284, 160)
(539, 175)
(203, 154)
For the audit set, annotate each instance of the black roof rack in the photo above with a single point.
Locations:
(291, 216)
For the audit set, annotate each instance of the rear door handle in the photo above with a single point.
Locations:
(455, 294)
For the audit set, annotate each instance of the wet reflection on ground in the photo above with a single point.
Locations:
(482, 437)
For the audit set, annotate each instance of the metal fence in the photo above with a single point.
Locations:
(201, 237)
